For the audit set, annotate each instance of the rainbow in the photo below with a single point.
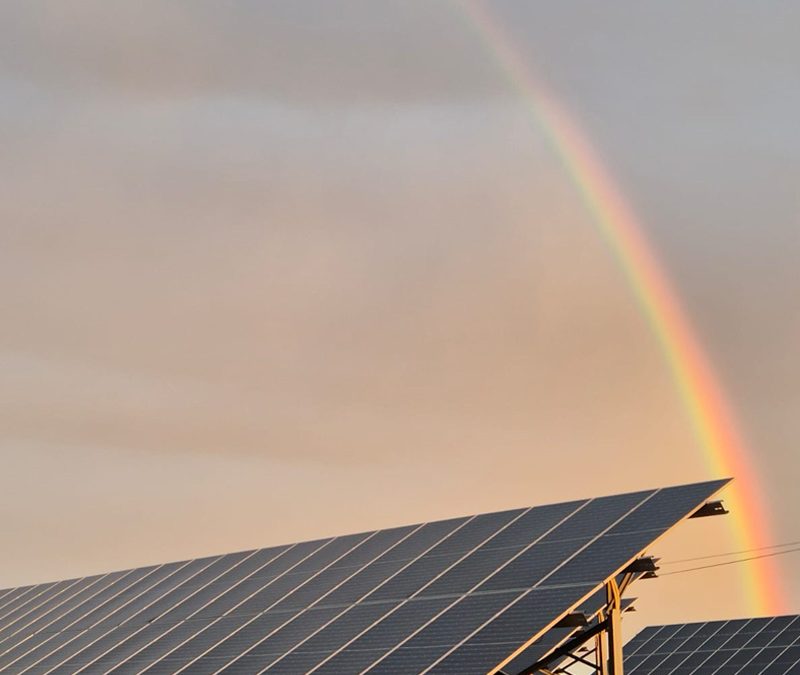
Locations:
(716, 430)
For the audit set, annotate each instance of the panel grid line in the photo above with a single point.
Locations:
(742, 629)
(152, 572)
(468, 595)
(539, 583)
(14, 594)
(579, 508)
(386, 581)
(513, 520)
(671, 636)
(144, 609)
(676, 628)
(641, 646)
(41, 595)
(59, 616)
(377, 621)
(39, 615)
(795, 622)
(322, 544)
(756, 635)
(152, 584)
(44, 600)
(726, 646)
(685, 513)
(320, 599)
(272, 605)
(144, 626)
(19, 597)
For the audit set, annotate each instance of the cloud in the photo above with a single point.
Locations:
(310, 52)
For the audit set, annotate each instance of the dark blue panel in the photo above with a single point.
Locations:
(146, 587)
(519, 623)
(11, 596)
(89, 654)
(471, 571)
(334, 636)
(720, 647)
(597, 515)
(701, 636)
(533, 524)
(27, 595)
(608, 553)
(383, 636)
(33, 619)
(369, 578)
(668, 506)
(448, 629)
(787, 637)
(763, 658)
(52, 614)
(422, 571)
(88, 645)
(118, 644)
(377, 545)
(18, 659)
(533, 565)
(290, 560)
(220, 642)
(200, 597)
(329, 579)
(299, 628)
(36, 647)
(501, 548)
(282, 640)
(140, 608)
(641, 638)
(42, 602)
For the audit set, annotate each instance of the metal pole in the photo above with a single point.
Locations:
(615, 666)
(601, 655)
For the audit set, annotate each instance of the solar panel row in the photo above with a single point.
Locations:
(461, 595)
(763, 646)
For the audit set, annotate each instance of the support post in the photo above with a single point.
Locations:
(606, 633)
(601, 654)
(614, 631)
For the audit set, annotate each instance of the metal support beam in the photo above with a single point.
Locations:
(614, 631)
(600, 651)
(714, 508)
(606, 635)
(566, 650)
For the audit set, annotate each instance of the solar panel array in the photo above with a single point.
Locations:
(461, 595)
(764, 646)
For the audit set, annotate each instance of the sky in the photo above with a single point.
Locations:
(272, 271)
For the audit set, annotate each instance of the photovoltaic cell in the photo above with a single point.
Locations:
(558, 635)
(760, 646)
(461, 595)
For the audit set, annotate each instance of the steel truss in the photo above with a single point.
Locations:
(605, 655)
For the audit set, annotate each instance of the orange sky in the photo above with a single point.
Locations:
(247, 305)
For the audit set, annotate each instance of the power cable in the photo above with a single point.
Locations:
(724, 555)
(731, 562)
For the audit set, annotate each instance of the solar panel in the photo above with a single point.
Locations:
(467, 595)
(762, 646)
(559, 634)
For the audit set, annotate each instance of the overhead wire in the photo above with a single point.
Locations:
(730, 562)
(730, 553)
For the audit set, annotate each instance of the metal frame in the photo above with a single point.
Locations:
(605, 658)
